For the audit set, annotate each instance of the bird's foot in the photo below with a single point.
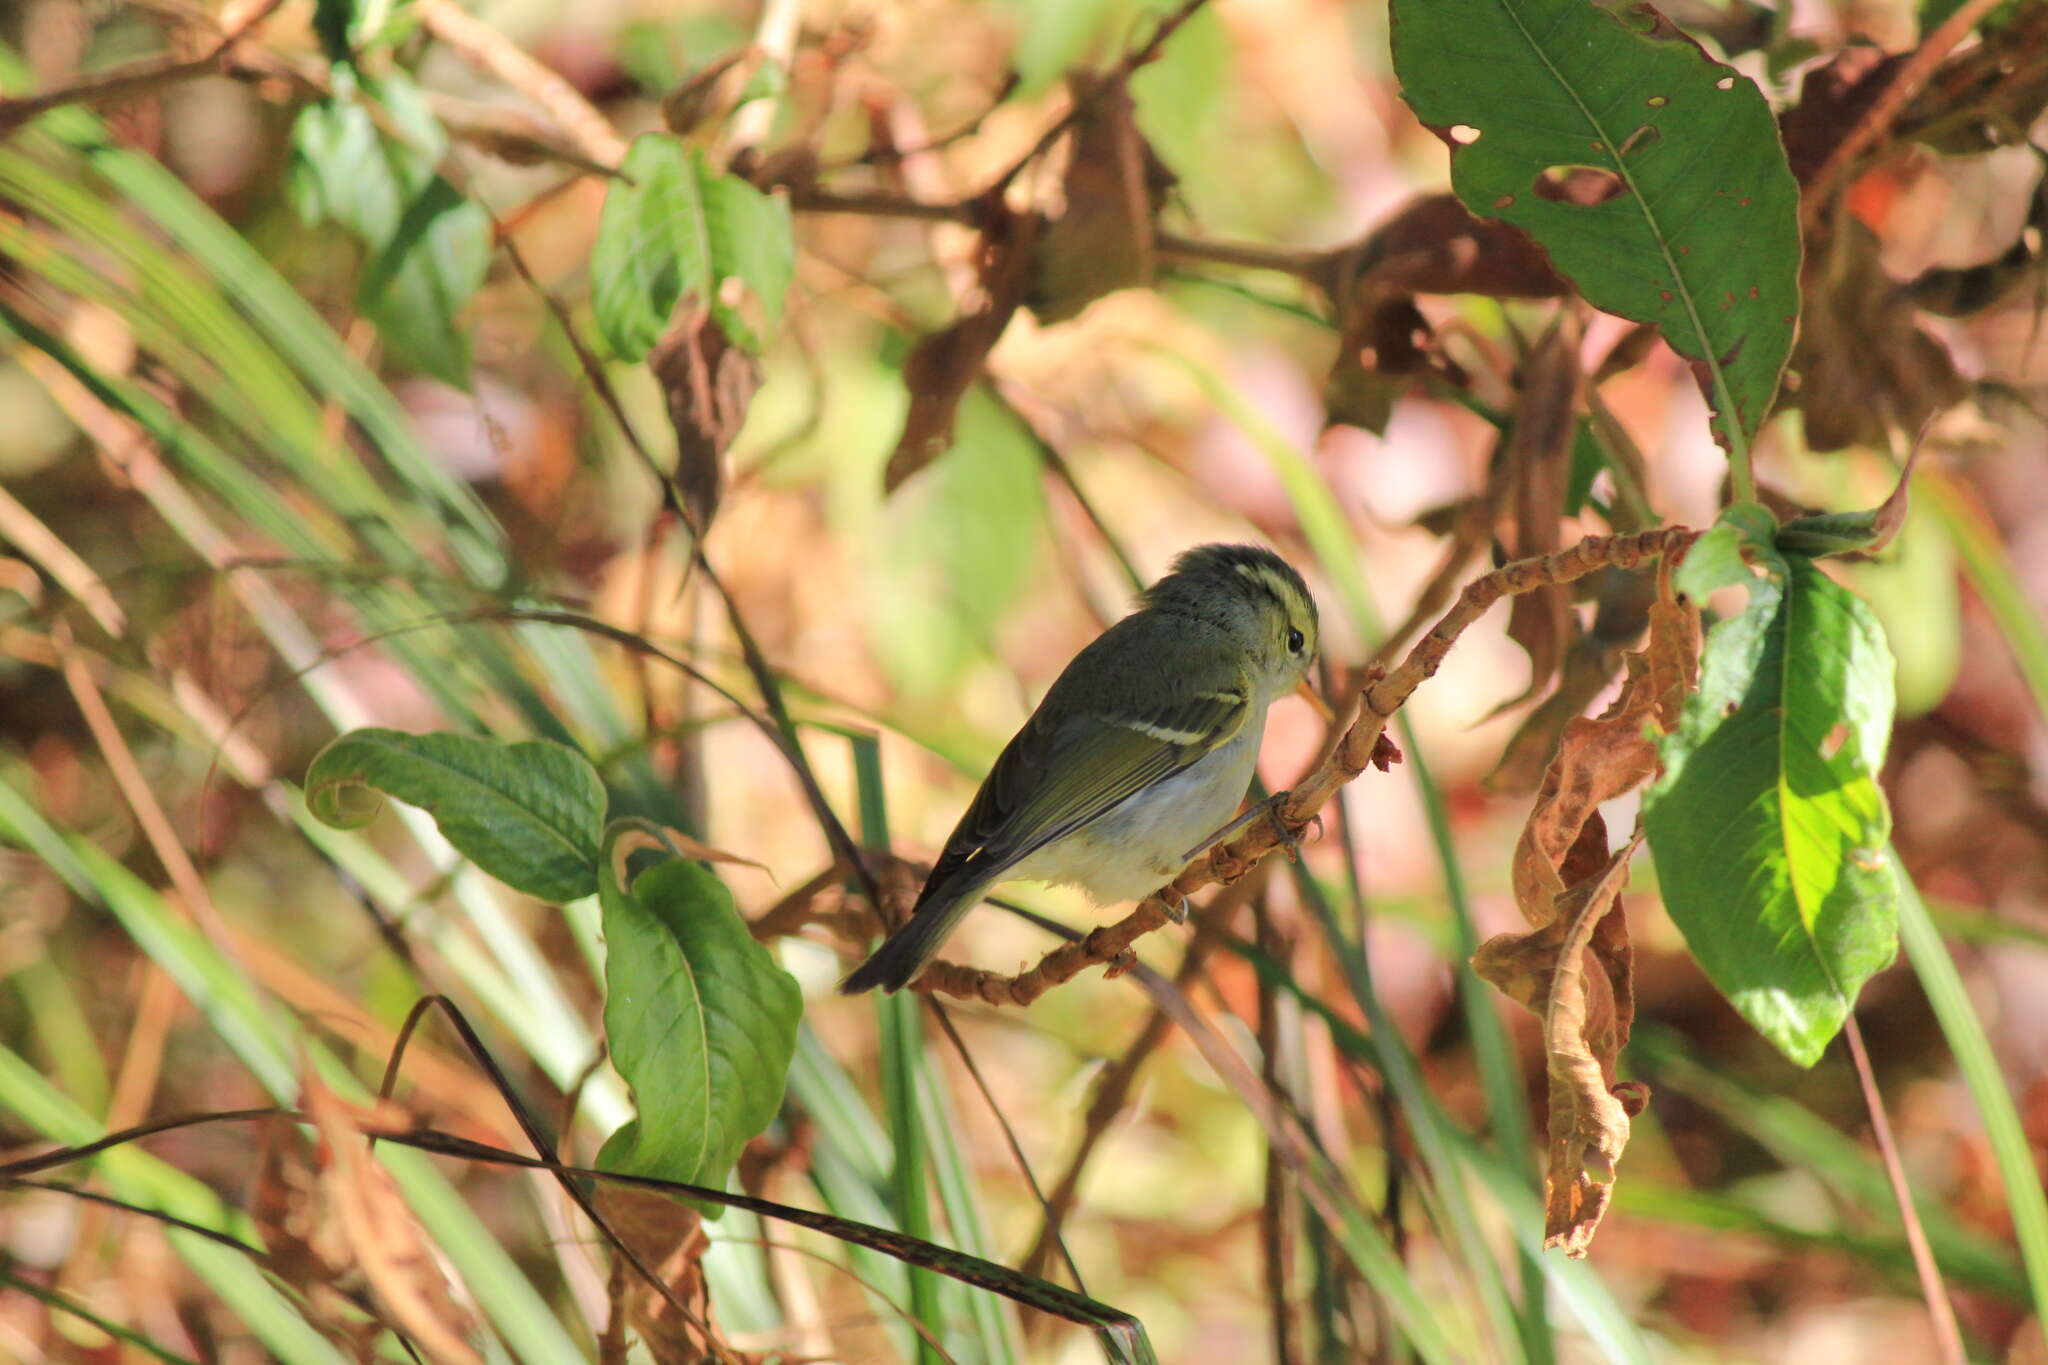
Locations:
(1288, 836)
(1175, 903)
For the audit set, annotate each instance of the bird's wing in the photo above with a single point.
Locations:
(1101, 760)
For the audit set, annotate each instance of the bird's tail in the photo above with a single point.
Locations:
(903, 954)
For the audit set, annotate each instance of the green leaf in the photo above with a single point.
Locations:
(699, 1020)
(751, 242)
(1838, 533)
(651, 245)
(1768, 825)
(1701, 234)
(673, 226)
(429, 246)
(415, 288)
(1717, 559)
(530, 814)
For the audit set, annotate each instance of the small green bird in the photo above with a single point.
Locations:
(1143, 747)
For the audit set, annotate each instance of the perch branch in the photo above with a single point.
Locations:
(1363, 744)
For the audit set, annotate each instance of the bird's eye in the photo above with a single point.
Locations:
(1294, 641)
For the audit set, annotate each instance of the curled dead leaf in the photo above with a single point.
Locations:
(945, 362)
(1863, 364)
(1433, 246)
(669, 1239)
(1536, 460)
(337, 1228)
(669, 841)
(707, 383)
(1575, 966)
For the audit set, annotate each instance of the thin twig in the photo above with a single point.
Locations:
(483, 47)
(1878, 119)
(1113, 1086)
(1142, 55)
(1947, 1337)
(1360, 747)
(132, 78)
(946, 1025)
(1303, 262)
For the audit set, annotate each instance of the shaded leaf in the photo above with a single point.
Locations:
(700, 1022)
(1432, 246)
(708, 385)
(652, 245)
(1101, 241)
(1537, 456)
(415, 288)
(1701, 233)
(1864, 364)
(429, 246)
(945, 363)
(531, 814)
(1768, 825)
(1837, 533)
(1833, 97)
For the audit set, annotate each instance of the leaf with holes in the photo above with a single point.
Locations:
(530, 814)
(699, 1020)
(1651, 174)
(1768, 825)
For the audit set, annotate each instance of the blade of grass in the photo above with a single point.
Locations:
(139, 1178)
(902, 1058)
(267, 1046)
(2025, 1198)
(1981, 548)
(1802, 1140)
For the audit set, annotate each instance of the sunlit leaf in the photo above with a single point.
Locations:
(1768, 825)
(1651, 174)
(674, 226)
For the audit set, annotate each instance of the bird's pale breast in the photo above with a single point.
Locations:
(1140, 845)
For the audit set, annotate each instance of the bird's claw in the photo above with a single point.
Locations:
(1175, 904)
(1288, 836)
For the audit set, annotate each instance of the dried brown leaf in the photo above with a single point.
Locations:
(708, 383)
(337, 1223)
(945, 362)
(1433, 246)
(1103, 238)
(1862, 363)
(1436, 246)
(673, 842)
(1536, 461)
(668, 1237)
(1574, 967)
(1589, 665)
(1833, 97)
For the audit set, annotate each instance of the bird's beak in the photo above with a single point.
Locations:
(1315, 701)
